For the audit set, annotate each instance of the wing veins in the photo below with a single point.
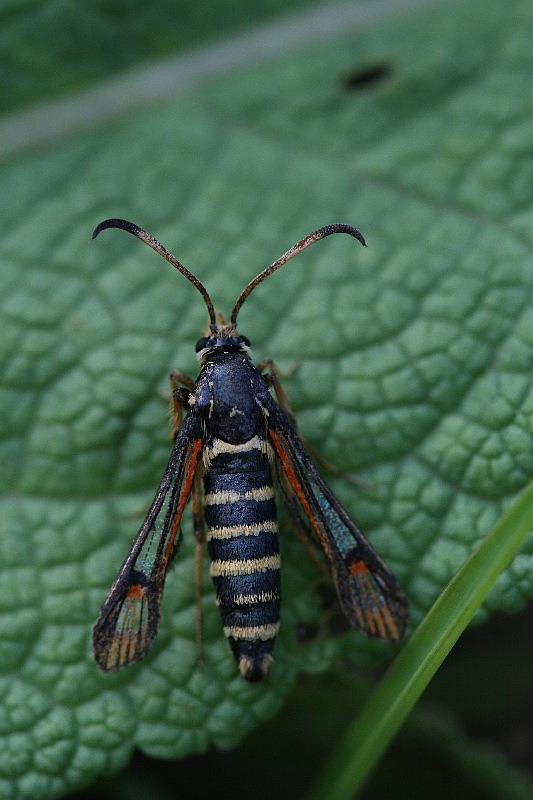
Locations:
(368, 591)
(129, 617)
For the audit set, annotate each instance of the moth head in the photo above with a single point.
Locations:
(223, 338)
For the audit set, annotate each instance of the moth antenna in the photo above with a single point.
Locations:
(158, 247)
(321, 233)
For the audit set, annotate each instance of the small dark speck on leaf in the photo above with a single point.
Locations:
(366, 76)
(306, 632)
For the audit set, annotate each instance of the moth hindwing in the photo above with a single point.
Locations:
(240, 438)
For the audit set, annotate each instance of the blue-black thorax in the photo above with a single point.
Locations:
(229, 393)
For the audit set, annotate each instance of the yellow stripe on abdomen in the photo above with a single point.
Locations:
(246, 567)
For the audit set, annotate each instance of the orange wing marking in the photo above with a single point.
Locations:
(184, 495)
(293, 480)
(135, 591)
(126, 638)
(376, 613)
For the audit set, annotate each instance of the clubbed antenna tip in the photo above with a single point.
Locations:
(321, 233)
(145, 237)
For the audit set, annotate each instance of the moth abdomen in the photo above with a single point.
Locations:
(240, 513)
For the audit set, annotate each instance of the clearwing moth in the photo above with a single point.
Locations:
(239, 442)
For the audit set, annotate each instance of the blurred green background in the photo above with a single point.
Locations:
(470, 737)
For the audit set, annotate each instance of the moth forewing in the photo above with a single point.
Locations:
(368, 591)
(128, 621)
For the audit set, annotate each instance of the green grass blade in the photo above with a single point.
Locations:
(386, 710)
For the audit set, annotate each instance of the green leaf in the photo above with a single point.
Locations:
(414, 355)
(389, 706)
(80, 43)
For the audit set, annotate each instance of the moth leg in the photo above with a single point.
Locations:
(179, 399)
(177, 377)
(283, 401)
(273, 380)
(347, 476)
(273, 367)
(199, 534)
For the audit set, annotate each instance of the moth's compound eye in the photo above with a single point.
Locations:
(201, 343)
